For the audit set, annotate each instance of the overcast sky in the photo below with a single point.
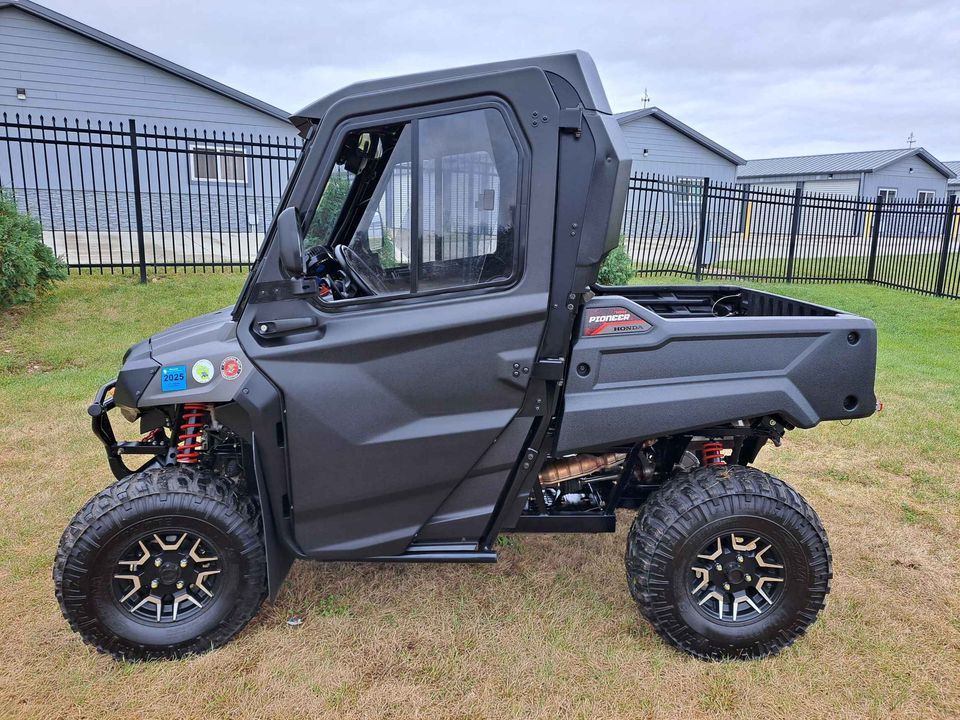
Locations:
(762, 78)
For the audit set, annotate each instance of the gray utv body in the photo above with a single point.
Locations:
(416, 428)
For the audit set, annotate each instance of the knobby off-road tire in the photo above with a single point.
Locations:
(711, 511)
(200, 536)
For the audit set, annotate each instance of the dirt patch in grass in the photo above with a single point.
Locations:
(550, 631)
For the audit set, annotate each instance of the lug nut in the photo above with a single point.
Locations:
(719, 567)
(739, 558)
(726, 586)
(154, 584)
(158, 562)
(183, 563)
(179, 584)
(749, 578)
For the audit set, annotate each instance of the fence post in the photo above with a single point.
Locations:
(945, 247)
(702, 230)
(138, 207)
(794, 231)
(875, 239)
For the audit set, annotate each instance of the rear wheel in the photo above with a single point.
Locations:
(728, 562)
(165, 563)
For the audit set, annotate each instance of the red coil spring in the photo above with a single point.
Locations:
(192, 420)
(712, 453)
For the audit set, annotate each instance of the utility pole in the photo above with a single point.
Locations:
(646, 98)
(911, 140)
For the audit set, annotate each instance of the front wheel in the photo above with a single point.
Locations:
(728, 562)
(164, 563)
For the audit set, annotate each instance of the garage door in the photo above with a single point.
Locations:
(832, 187)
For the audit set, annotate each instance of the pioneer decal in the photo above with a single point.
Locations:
(612, 321)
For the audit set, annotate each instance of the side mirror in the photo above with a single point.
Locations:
(291, 252)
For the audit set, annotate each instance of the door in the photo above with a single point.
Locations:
(420, 359)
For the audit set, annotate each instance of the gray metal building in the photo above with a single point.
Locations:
(52, 65)
(215, 164)
(661, 144)
(907, 173)
(953, 184)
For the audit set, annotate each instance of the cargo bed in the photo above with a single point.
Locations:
(676, 301)
(672, 359)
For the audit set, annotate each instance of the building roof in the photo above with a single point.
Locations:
(953, 165)
(669, 120)
(850, 162)
(127, 49)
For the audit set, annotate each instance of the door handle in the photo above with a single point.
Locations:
(284, 326)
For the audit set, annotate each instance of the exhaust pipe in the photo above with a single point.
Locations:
(578, 466)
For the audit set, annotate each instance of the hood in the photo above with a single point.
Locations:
(197, 330)
(197, 360)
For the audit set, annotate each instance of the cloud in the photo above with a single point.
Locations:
(761, 78)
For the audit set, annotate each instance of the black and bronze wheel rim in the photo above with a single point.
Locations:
(167, 577)
(737, 577)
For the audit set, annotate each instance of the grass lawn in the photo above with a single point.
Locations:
(550, 631)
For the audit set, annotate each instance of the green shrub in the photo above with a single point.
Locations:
(617, 268)
(28, 268)
(328, 209)
(388, 252)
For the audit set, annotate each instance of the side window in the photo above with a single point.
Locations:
(469, 168)
(418, 206)
(365, 207)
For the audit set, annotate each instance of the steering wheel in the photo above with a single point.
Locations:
(318, 254)
(358, 270)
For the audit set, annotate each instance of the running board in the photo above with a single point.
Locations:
(440, 553)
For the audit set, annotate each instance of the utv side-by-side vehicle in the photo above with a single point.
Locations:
(421, 360)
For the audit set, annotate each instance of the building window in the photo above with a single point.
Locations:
(689, 190)
(218, 163)
(925, 197)
(886, 194)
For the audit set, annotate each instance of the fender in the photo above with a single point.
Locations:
(247, 403)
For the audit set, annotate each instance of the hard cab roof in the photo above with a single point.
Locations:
(576, 67)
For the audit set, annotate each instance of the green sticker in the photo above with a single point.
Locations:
(203, 371)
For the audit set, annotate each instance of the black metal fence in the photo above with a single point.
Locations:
(132, 198)
(128, 197)
(703, 229)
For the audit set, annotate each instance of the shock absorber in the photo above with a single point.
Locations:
(712, 453)
(192, 419)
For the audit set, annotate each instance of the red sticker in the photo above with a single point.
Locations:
(612, 321)
(231, 367)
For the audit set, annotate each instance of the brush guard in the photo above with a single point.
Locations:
(99, 411)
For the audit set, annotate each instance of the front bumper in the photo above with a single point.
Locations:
(99, 411)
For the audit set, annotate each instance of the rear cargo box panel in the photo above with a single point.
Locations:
(684, 373)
